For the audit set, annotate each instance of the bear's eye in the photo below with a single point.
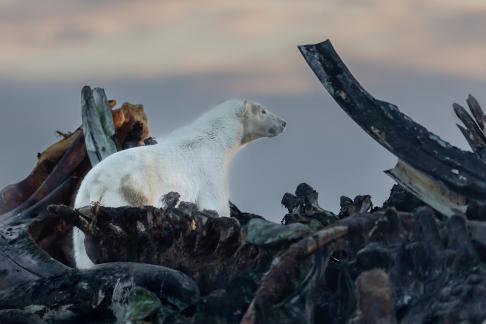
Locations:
(263, 111)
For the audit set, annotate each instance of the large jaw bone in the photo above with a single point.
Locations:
(458, 173)
(429, 190)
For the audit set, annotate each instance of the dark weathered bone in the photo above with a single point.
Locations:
(98, 126)
(375, 298)
(430, 191)
(244, 265)
(78, 294)
(13, 195)
(476, 111)
(473, 131)
(461, 172)
(66, 167)
(283, 275)
(475, 134)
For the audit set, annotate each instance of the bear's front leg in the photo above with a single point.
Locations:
(212, 201)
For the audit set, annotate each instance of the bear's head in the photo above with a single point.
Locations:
(258, 122)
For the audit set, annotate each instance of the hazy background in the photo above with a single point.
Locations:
(180, 57)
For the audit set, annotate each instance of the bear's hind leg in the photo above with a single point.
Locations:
(81, 258)
(80, 255)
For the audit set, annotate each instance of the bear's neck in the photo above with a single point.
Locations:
(226, 134)
(222, 135)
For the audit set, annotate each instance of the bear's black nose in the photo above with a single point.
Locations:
(284, 123)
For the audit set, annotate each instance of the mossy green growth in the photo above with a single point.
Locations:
(141, 305)
(329, 217)
(264, 233)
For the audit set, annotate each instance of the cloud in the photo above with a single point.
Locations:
(80, 40)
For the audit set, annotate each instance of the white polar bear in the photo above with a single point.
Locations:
(193, 161)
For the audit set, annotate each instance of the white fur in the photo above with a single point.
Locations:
(193, 161)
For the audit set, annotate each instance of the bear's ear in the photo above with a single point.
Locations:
(245, 108)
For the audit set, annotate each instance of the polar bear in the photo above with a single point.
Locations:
(192, 160)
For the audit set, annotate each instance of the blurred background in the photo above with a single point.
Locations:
(178, 58)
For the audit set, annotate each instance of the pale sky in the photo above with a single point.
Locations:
(180, 57)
